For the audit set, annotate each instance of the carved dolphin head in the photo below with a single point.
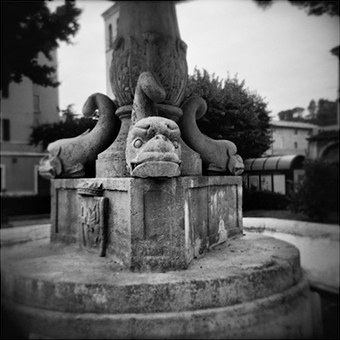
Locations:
(235, 164)
(50, 166)
(153, 148)
(54, 166)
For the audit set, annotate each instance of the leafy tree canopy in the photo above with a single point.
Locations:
(311, 7)
(234, 113)
(322, 113)
(291, 114)
(44, 134)
(30, 28)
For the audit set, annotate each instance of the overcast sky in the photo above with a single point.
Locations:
(281, 52)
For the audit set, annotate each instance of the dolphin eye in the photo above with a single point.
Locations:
(175, 143)
(137, 143)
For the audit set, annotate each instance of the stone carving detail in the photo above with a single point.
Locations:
(153, 148)
(218, 156)
(164, 56)
(75, 157)
(153, 142)
(93, 224)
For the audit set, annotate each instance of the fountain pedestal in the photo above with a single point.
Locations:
(148, 224)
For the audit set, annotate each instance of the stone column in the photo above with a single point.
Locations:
(148, 40)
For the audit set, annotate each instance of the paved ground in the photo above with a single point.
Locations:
(25, 229)
(24, 221)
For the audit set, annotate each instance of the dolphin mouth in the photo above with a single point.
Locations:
(154, 158)
(151, 165)
(47, 172)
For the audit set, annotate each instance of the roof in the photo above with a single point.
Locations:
(285, 162)
(301, 125)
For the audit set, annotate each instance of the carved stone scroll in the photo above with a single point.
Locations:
(218, 156)
(75, 157)
(148, 43)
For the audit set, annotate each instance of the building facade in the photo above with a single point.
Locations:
(325, 144)
(25, 105)
(291, 138)
(111, 17)
(280, 169)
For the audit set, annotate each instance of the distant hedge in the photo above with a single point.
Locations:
(264, 200)
(26, 205)
(318, 195)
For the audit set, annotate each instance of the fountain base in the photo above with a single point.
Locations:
(250, 287)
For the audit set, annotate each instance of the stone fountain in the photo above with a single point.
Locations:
(146, 238)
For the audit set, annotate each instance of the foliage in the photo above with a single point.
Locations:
(327, 112)
(44, 134)
(324, 113)
(318, 193)
(268, 200)
(291, 114)
(312, 109)
(233, 113)
(30, 28)
(68, 114)
(312, 7)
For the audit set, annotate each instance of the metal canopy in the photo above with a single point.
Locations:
(285, 162)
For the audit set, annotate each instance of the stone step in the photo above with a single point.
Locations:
(70, 280)
(245, 287)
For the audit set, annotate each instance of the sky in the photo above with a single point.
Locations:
(281, 53)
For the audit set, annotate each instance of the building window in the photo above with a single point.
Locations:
(295, 145)
(296, 131)
(110, 36)
(5, 130)
(36, 103)
(2, 177)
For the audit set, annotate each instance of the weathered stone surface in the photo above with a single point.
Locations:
(218, 156)
(156, 224)
(93, 220)
(191, 161)
(148, 39)
(248, 287)
(75, 157)
(153, 148)
(318, 244)
(112, 162)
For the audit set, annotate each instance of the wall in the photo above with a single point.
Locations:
(285, 139)
(27, 104)
(111, 17)
(318, 245)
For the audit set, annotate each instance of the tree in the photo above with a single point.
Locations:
(317, 195)
(234, 113)
(312, 109)
(68, 114)
(44, 134)
(312, 7)
(323, 114)
(327, 112)
(291, 114)
(31, 28)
